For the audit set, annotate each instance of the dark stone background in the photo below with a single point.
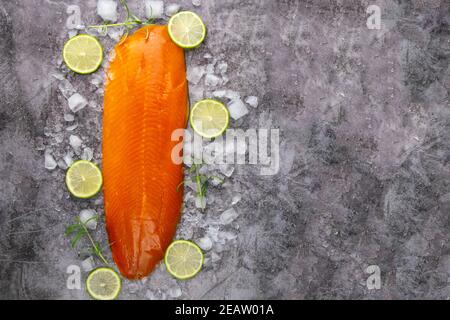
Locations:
(365, 137)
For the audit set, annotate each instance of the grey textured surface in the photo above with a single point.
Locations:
(365, 137)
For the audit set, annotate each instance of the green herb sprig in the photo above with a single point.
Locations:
(78, 230)
(130, 22)
(202, 181)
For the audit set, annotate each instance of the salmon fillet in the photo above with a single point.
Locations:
(146, 99)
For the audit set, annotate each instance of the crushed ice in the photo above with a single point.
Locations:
(228, 216)
(172, 8)
(195, 74)
(89, 218)
(88, 264)
(196, 3)
(75, 142)
(50, 163)
(77, 102)
(107, 9)
(154, 9)
(237, 109)
(252, 101)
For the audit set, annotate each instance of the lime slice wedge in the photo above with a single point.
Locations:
(187, 29)
(83, 54)
(209, 118)
(183, 259)
(84, 179)
(103, 284)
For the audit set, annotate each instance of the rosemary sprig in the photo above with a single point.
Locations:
(201, 180)
(79, 230)
(131, 21)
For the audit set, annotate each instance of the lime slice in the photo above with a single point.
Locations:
(209, 118)
(103, 284)
(84, 179)
(83, 54)
(187, 29)
(183, 259)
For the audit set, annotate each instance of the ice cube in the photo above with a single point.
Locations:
(195, 94)
(216, 181)
(77, 102)
(68, 159)
(219, 93)
(72, 33)
(252, 101)
(213, 232)
(75, 142)
(226, 169)
(62, 164)
(154, 9)
(88, 264)
(215, 257)
(225, 79)
(226, 236)
(228, 216)
(88, 154)
(232, 95)
(205, 243)
(115, 34)
(58, 76)
(172, 8)
(210, 67)
(175, 292)
(66, 88)
(89, 218)
(58, 127)
(236, 199)
(96, 80)
(196, 3)
(100, 92)
(212, 80)
(40, 144)
(59, 137)
(237, 109)
(200, 202)
(50, 163)
(208, 56)
(69, 117)
(195, 74)
(222, 67)
(72, 127)
(93, 104)
(191, 184)
(107, 9)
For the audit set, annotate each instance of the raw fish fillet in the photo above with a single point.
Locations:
(146, 99)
